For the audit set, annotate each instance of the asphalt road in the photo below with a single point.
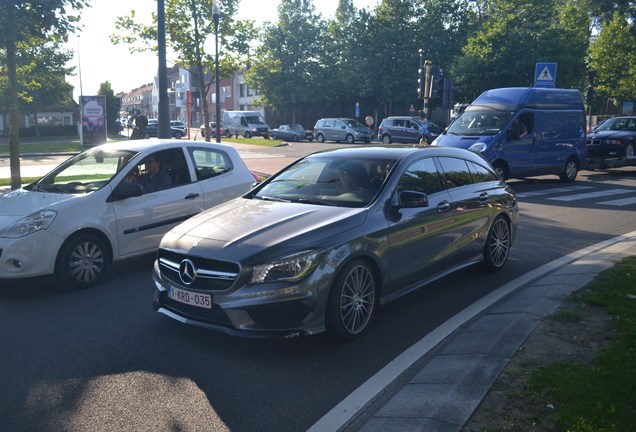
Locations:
(102, 359)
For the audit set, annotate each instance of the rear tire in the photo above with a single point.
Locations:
(352, 301)
(569, 173)
(386, 140)
(320, 138)
(498, 243)
(501, 170)
(82, 261)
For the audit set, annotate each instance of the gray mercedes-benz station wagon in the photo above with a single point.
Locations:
(323, 243)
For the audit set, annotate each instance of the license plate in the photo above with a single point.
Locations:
(190, 298)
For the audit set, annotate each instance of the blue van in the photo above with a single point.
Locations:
(524, 132)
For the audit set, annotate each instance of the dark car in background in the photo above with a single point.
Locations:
(152, 131)
(292, 132)
(613, 143)
(323, 243)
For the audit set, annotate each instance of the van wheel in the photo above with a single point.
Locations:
(82, 261)
(177, 135)
(386, 140)
(629, 151)
(320, 138)
(350, 139)
(247, 135)
(501, 170)
(228, 134)
(569, 173)
(352, 301)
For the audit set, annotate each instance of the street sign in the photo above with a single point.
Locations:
(357, 109)
(545, 75)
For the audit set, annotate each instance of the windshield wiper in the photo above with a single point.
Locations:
(271, 198)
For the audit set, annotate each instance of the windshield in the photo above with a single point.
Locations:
(479, 122)
(328, 181)
(620, 123)
(254, 119)
(86, 172)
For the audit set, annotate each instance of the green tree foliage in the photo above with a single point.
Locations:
(113, 104)
(514, 37)
(22, 24)
(616, 78)
(189, 29)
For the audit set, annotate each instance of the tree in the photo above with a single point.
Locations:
(188, 26)
(286, 70)
(113, 105)
(616, 78)
(42, 77)
(513, 38)
(23, 22)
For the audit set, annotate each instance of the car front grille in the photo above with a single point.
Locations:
(594, 142)
(210, 275)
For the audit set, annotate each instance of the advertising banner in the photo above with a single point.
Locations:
(93, 120)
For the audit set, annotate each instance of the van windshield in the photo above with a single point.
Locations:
(254, 119)
(486, 122)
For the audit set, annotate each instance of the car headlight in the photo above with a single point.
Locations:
(478, 147)
(37, 221)
(615, 142)
(290, 268)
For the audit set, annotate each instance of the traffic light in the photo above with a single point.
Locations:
(421, 82)
(449, 94)
(437, 82)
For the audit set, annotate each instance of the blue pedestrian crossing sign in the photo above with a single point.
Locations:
(545, 75)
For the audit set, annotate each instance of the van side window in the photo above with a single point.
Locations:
(522, 126)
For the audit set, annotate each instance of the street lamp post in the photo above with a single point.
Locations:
(215, 17)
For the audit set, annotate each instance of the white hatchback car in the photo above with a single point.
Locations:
(112, 202)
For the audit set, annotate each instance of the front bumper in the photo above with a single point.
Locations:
(269, 310)
(29, 256)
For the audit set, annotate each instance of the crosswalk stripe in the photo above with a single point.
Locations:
(620, 202)
(553, 191)
(589, 195)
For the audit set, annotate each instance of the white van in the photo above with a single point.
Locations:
(246, 123)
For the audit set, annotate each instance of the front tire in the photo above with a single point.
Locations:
(498, 243)
(177, 135)
(82, 261)
(350, 139)
(501, 170)
(569, 173)
(247, 135)
(320, 138)
(352, 301)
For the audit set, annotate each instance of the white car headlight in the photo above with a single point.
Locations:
(290, 268)
(478, 147)
(40, 220)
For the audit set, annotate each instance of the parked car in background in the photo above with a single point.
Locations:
(323, 243)
(341, 129)
(612, 143)
(152, 131)
(400, 129)
(211, 130)
(178, 124)
(292, 132)
(105, 205)
(246, 123)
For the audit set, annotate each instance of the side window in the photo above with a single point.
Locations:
(209, 163)
(421, 176)
(456, 172)
(160, 170)
(480, 173)
(398, 123)
(328, 123)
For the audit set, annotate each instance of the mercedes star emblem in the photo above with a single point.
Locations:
(187, 271)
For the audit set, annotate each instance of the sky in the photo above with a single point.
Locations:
(96, 60)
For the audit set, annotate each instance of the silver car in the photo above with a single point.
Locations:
(323, 243)
(341, 129)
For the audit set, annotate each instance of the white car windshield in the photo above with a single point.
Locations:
(479, 123)
(328, 181)
(85, 172)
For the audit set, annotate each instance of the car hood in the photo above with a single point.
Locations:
(20, 203)
(611, 134)
(461, 141)
(261, 224)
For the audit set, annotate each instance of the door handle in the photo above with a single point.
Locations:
(192, 196)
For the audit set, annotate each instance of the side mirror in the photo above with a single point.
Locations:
(125, 190)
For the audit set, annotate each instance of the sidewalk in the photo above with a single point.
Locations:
(458, 362)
